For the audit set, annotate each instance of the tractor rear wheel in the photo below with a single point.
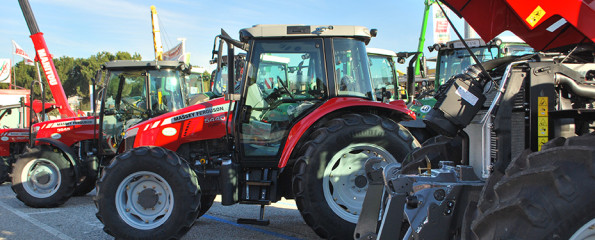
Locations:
(4, 170)
(43, 178)
(147, 193)
(543, 195)
(329, 180)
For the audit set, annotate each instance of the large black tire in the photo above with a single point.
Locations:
(4, 170)
(148, 193)
(43, 178)
(542, 195)
(85, 187)
(329, 180)
(206, 202)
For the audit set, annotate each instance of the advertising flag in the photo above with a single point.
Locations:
(175, 54)
(5, 70)
(441, 26)
(19, 51)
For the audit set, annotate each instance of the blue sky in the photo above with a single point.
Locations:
(82, 28)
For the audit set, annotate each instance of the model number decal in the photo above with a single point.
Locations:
(220, 118)
(195, 114)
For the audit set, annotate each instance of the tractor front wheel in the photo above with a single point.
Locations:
(4, 170)
(43, 178)
(329, 180)
(148, 193)
(543, 195)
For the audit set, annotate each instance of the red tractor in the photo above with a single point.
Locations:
(68, 152)
(299, 124)
(14, 134)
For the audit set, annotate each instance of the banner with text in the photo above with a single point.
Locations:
(441, 26)
(175, 54)
(4, 70)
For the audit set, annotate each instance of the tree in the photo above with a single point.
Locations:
(75, 73)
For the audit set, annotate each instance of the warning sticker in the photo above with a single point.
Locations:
(542, 126)
(535, 16)
(541, 141)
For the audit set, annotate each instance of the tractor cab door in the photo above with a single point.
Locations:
(124, 104)
(284, 81)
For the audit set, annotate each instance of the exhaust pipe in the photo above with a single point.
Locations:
(582, 90)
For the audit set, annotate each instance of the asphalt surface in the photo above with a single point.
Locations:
(76, 220)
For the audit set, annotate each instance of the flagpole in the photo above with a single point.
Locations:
(11, 62)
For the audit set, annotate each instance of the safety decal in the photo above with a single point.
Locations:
(535, 16)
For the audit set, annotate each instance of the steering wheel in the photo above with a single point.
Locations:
(132, 106)
(284, 86)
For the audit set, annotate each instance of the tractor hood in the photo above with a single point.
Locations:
(543, 24)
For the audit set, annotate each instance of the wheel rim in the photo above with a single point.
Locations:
(41, 178)
(585, 232)
(344, 182)
(144, 200)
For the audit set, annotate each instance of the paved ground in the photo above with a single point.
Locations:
(76, 220)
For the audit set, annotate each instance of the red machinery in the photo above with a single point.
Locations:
(44, 57)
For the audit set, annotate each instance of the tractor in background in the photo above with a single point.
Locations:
(67, 154)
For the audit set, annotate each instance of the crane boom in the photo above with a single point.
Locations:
(156, 35)
(44, 58)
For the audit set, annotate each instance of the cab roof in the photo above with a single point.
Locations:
(380, 51)
(290, 31)
(122, 64)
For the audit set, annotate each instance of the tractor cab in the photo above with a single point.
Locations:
(284, 80)
(453, 58)
(134, 91)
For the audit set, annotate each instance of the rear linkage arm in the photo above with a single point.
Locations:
(427, 202)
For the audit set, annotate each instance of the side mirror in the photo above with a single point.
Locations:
(423, 67)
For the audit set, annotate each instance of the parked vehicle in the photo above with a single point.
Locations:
(300, 125)
(68, 153)
(14, 134)
(526, 169)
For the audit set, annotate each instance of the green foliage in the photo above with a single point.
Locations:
(75, 73)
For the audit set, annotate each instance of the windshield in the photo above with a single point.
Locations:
(196, 84)
(166, 91)
(352, 69)
(284, 80)
(126, 104)
(11, 118)
(511, 49)
(455, 61)
(220, 81)
(383, 74)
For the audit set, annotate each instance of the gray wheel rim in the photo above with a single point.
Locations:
(41, 178)
(344, 183)
(587, 231)
(144, 200)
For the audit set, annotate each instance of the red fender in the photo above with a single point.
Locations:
(334, 104)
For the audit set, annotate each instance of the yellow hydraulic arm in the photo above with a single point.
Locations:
(156, 35)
